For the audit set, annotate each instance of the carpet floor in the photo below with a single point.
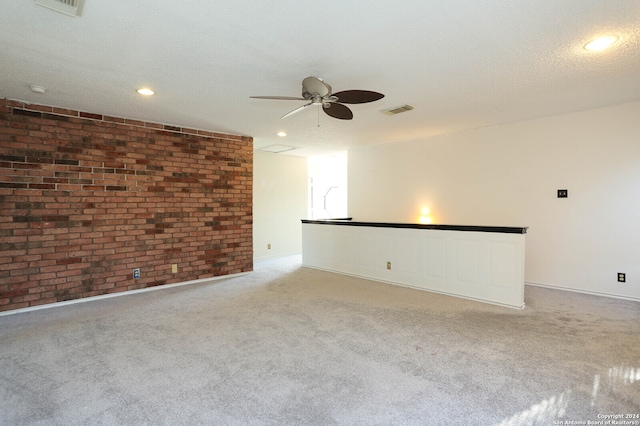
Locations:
(288, 345)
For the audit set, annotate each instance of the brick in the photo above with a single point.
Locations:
(90, 115)
(113, 119)
(94, 195)
(63, 111)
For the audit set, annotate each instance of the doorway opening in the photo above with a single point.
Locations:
(328, 187)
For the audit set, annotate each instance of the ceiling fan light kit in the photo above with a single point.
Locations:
(317, 92)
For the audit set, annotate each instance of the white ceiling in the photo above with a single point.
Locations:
(462, 64)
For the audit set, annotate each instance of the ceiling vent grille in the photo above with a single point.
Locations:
(68, 7)
(398, 110)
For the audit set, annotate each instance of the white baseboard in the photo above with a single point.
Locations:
(121, 293)
(573, 290)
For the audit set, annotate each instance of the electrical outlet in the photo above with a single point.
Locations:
(622, 277)
(174, 268)
(268, 246)
(136, 273)
(563, 193)
(388, 265)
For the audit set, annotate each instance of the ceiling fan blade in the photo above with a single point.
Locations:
(358, 96)
(296, 110)
(339, 111)
(314, 85)
(282, 98)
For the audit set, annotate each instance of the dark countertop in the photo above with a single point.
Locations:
(468, 228)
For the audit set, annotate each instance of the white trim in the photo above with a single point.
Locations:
(574, 290)
(121, 293)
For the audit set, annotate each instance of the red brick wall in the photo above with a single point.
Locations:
(86, 198)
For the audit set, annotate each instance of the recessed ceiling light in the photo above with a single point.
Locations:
(281, 134)
(601, 43)
(37, 89)
(146, 92)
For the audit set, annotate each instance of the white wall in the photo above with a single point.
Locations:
(508, 175)
(279, 203)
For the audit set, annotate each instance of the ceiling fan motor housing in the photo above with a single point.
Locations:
(318, 92)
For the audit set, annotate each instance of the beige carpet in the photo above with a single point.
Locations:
(290, 345)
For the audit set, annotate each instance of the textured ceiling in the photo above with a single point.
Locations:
(462, 64)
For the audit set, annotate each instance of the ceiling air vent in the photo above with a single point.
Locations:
(68, 7)
(398, 110)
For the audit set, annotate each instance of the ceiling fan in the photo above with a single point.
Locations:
(317, 92)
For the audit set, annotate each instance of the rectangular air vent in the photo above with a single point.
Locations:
(398, 110)
(68, 7)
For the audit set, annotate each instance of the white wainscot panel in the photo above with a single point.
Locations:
(409, 266)
(505, 268)
(484, 266)
(467, 253)
(364, 250)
